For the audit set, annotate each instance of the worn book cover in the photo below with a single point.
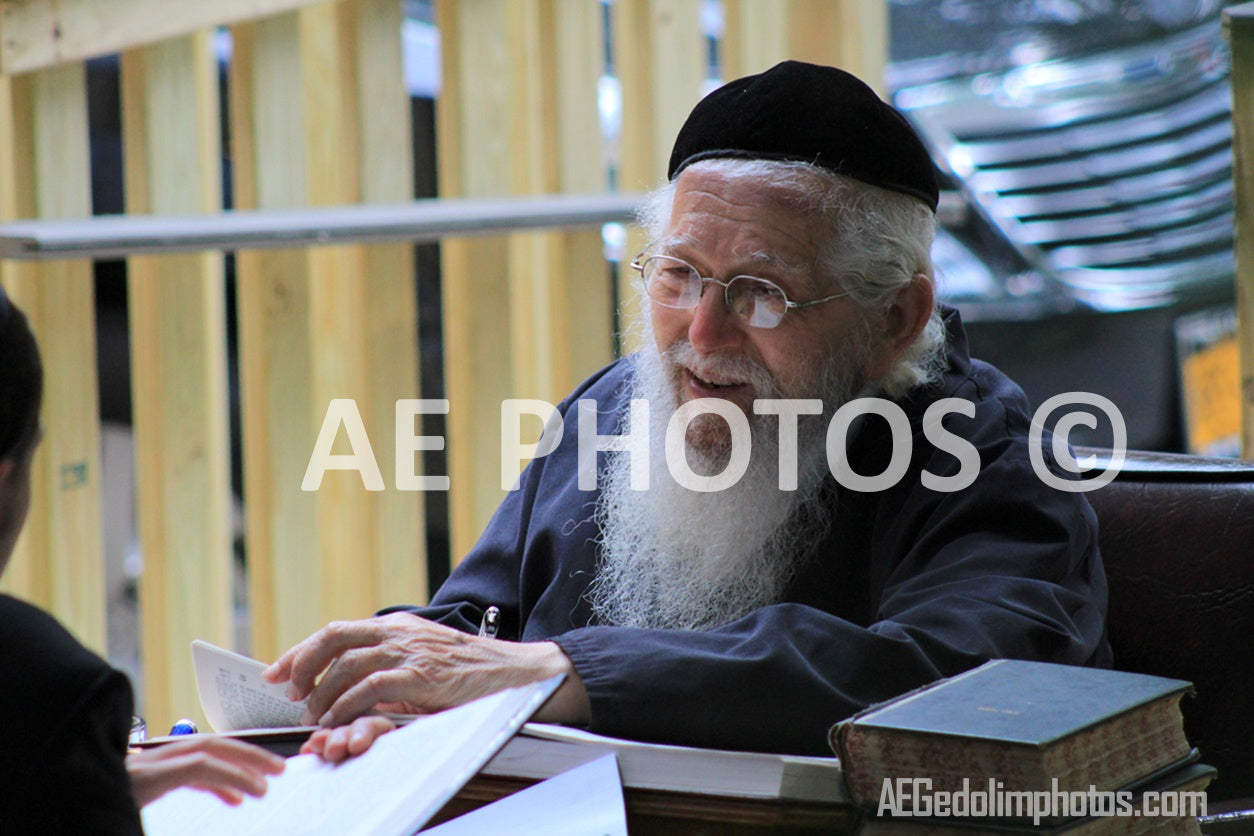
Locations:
(1022, 724)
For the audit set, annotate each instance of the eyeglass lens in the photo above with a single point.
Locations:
(677, 284)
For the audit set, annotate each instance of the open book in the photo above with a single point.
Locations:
(238, 703)
(393, 789)
(235, 697)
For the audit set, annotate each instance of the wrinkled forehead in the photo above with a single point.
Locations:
(759, 223)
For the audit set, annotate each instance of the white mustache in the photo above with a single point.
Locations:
(722, 368)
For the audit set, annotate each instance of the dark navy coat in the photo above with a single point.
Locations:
(910, 585)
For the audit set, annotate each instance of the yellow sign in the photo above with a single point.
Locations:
(1212, 403)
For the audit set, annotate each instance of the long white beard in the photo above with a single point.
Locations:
(681, 559)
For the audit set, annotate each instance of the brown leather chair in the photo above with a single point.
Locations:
(1177, 539)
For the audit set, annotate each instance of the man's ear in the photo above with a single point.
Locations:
(904, 320)
(6, 467)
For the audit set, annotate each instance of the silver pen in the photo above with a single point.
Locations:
(490, 623)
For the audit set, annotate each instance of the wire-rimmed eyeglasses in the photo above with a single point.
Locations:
(674, 283)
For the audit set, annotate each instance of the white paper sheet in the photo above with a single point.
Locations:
(584, 801)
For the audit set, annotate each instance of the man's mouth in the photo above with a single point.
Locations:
(714, 386)
(711, 384)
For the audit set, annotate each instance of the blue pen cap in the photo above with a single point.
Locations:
(184, 726)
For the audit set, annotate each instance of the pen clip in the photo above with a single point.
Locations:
(490, 623)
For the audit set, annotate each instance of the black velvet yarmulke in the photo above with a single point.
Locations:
(809, 113)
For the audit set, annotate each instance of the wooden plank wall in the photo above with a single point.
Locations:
(850, 34)
(318, 116)
(44, 173)
(178, 342)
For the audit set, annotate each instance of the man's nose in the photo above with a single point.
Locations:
(714, 326)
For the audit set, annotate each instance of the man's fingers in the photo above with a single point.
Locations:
(302, 663)
(338, 678)
(384, 686)
(280, 669)
(361, 665)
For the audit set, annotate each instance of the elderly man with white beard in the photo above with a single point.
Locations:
(788, 273)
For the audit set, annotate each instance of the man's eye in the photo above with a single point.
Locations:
(762, 290)
(673, 274)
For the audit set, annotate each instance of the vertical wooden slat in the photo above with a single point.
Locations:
(661, 64)
(472, 132)
(755, 35)
(272, 303)
(1239, 22)
(385, 162)
(336, 326)
(277, 353)
(307, 325)
(560, 314)
(26, 574)
(530, 124)
(59, 560)
(850, 34)
(171, 133)
(528, 316)
(582, 291)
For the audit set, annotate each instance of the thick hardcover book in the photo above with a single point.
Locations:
(1022, 725)
(541, 750)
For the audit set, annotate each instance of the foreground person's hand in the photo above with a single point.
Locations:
(230, 769)
(343, 742)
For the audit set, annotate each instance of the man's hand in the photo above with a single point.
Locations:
(228, 768)
(407, 664)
